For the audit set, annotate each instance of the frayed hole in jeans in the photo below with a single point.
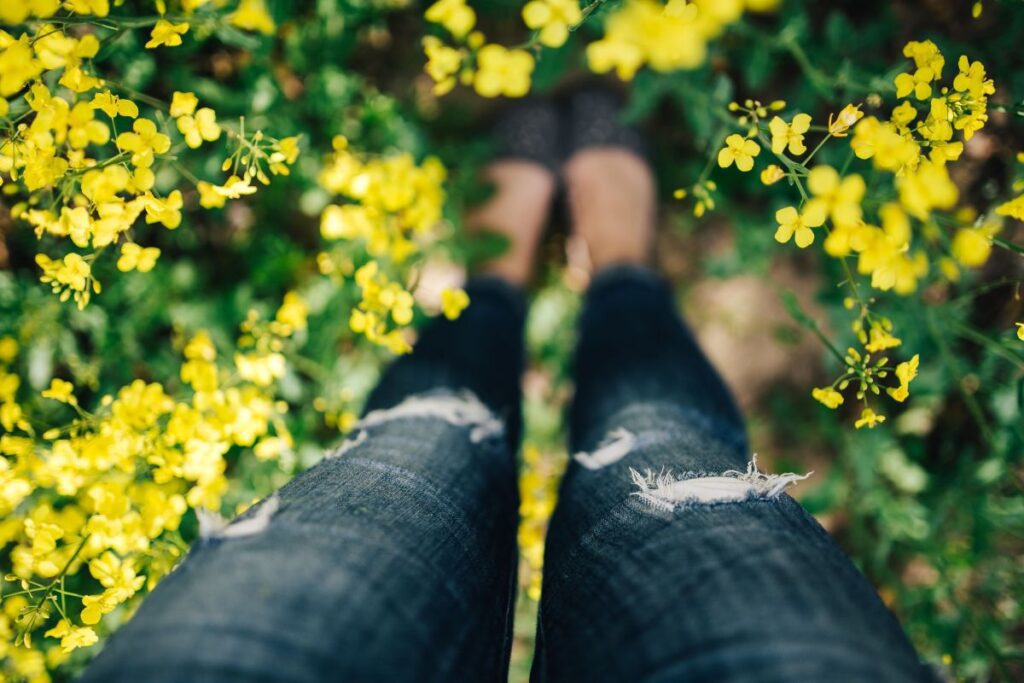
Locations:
(615, 446)
(460, 409)
(213, 526)
(665, 491)
(348, 444)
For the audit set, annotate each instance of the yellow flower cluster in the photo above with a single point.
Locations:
(912, 150)
(868, 375)
(667, 36)
(73, 176)
(382, 302)
(392, 211)
(538, 492)
(552, 19)
(104, 495)
(492, 70)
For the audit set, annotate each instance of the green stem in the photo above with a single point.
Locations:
(49, 589)
(820, 145)
(1006, 244)
(968, 332)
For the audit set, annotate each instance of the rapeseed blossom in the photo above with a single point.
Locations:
(924, 133)
(166, 33)
(99, 201)
(797, 224)
(738, 150)
(126, 476)
(789, 135)
(553, 19)
(502, 71)
(392, 210)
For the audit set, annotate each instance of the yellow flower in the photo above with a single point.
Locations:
(100, 8)
(903, 114)
(880, 337)
(252, 15)
(925, 188)
(453, 302)
(668, 36)
(553, 18)
(501, 71)
(202, 126)
(8, 350)
(840, 198)
(607, 54)
(209, 197)
(400, 302)
(772, 174)
(828, 397)
(926, 56)
(869, 418)
(95, 606)
(847, 117)
(112, 105)
(62, 391)
(134, 257)
(18, 64)
(166, 211)
(454, 15)
(166, 33)
(1020, 331)
(905, 373)
(792, 223)
(882, 141)
(144, 143)
(443, 62)
(70, 275)
(789, 135)
(972, 246)
(1014, 208)
(183, 104)
(738, 150)
(292, 313)
(918, 83)
(234, 187)
(286, 151)
(259, 369)
(84, 129)
(72, 637)
(971, 79)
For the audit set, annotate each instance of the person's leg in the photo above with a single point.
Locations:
(391, 560)
(667, 558)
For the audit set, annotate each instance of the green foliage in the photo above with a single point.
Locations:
(929, 504)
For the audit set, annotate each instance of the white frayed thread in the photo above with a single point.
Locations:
(348, 444)
(665, 492)
(461, 410)
(615, 446)
(213, 526)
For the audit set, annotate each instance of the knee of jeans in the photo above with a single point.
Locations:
(666, 492)
(460, 409)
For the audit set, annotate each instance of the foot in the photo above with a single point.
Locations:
(609, 183)
(612, 202)
(518, 211)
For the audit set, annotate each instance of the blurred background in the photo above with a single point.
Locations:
(928, 504)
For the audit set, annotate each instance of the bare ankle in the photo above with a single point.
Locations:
(612, 200)
(518, 211)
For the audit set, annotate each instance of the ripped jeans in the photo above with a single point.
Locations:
(669, 557)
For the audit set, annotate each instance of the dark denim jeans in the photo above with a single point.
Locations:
(394, 559)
